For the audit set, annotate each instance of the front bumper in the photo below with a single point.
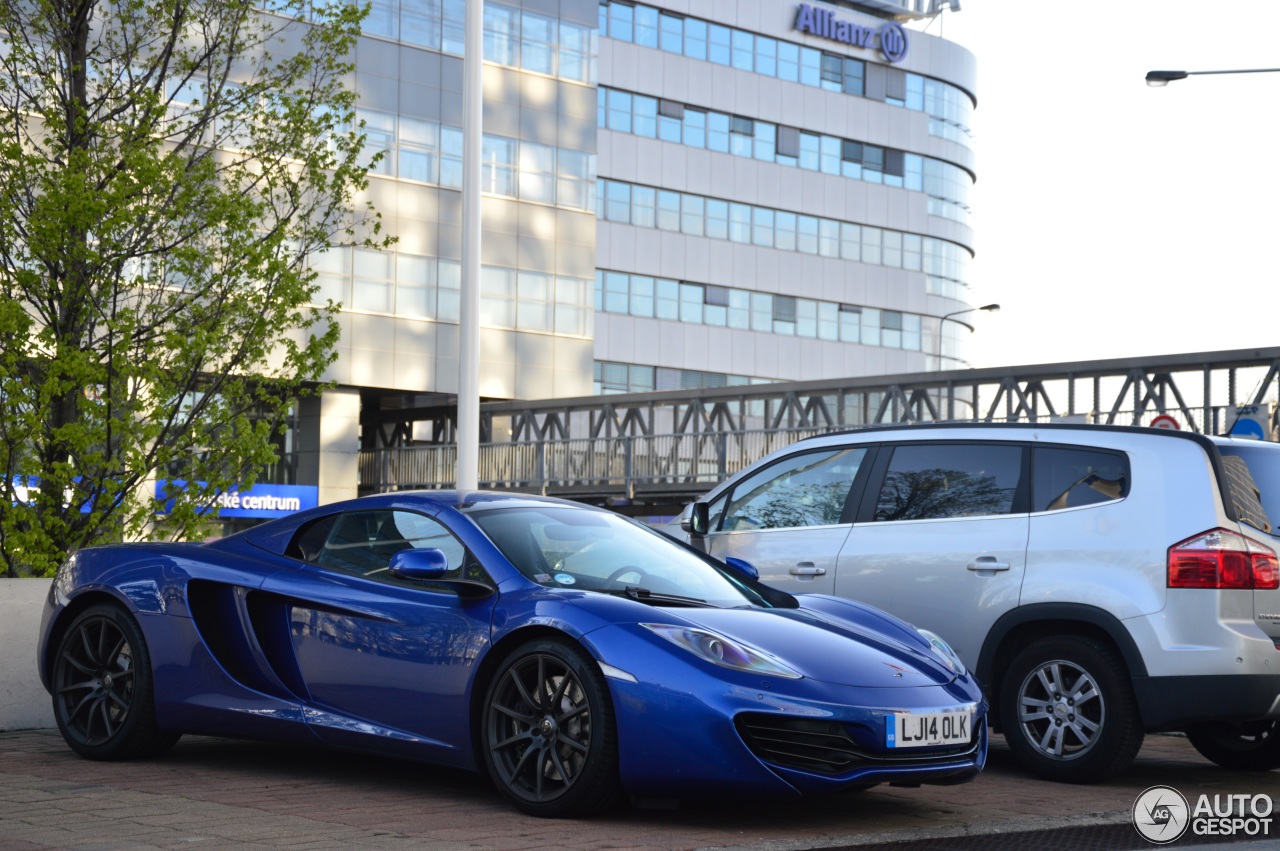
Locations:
(687, 731)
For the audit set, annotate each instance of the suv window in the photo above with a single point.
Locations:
(940, 480)
(1069, 478)
(809, 489)
(1253, 484)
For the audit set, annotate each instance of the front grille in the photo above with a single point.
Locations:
(829, 747)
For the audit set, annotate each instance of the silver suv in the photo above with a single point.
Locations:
(1102, 582)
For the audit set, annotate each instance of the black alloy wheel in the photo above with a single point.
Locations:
(549, 739)
(1251, 746)
(103, 699)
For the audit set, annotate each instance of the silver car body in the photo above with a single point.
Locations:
(990, 581)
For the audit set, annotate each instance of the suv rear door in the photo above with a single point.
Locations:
(940, 537)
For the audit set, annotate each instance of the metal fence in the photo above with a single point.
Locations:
(678, 443)
(623, 466)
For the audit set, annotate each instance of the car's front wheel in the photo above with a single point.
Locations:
(103, 696)
(550, 740)
(1251, 746)
(1068, 712)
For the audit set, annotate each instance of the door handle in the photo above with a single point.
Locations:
(806, 568)
(987, 563)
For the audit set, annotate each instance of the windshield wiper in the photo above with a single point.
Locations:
(644, 595)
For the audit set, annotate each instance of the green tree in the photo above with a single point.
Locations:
(167, 167)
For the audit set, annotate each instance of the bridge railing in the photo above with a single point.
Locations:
(679, 463)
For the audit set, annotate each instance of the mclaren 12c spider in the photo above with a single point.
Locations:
(570, 654)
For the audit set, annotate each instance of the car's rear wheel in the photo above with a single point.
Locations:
(1251, 746)
(550, 740)
(1068, 712)
(103, 694)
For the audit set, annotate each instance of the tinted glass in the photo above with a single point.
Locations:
(1253, 483)
(574, 548)
(362, 543)
(1070, 478)
(807, 489)
(931, 481)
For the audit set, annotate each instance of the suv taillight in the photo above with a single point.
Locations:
(1221, 558)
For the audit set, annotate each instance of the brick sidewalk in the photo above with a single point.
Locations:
(225, 794)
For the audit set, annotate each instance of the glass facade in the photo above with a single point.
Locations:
(726, 307)
(612, 378)
(947, 185)
(394, 283)
(950, 108)
(945, 264)
(516, 38)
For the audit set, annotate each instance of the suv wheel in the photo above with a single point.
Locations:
(1252, 746)
(1068, 712)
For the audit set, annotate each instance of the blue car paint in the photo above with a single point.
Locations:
(391, 669)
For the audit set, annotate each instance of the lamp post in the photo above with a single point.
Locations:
(467, 472)
(1158, 79)
(990, 308)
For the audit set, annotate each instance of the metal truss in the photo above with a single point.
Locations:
(1197, 390)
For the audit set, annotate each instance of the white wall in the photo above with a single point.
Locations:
(24, 704)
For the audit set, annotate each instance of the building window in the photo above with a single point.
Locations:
(501, 34)
(537, 43)
(498, 166)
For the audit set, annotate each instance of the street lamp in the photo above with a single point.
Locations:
(1157, 79)
(990, 308)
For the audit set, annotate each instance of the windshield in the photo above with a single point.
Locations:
(565, 547)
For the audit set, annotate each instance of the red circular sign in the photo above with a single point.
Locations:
(1165, 421)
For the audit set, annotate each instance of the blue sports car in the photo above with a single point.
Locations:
(570, 654)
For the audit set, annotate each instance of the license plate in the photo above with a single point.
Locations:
(928, 729)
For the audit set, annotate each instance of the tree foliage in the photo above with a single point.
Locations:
(166, 169)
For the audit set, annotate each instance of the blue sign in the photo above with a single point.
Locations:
(25, 489)
(1245, 427)
(260, 501)
(890, 37)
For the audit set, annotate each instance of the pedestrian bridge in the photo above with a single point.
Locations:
(651, 452)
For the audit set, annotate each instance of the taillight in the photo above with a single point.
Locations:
(1221, 558)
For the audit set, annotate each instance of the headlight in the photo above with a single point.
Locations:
(721, 651)
(943, 651)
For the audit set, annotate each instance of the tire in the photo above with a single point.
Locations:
(103, 693)
(1251, 746)
(1068, 710)
(549, 738)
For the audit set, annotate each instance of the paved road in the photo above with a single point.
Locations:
(220, 794)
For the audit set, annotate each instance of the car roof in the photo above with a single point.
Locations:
(917, 429)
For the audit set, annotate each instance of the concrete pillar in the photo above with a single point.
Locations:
(24, 704)
(329, 443)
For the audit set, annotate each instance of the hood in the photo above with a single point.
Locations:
(826, 648)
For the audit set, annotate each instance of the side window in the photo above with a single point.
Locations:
(942, 480)
(362, 543)
(715, 511)
(807, 489)
(1069, 478)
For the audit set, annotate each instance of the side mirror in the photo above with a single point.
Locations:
(699, 519)
(746, 568)
(428, 563)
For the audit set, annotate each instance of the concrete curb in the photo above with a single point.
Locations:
(24, 704)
